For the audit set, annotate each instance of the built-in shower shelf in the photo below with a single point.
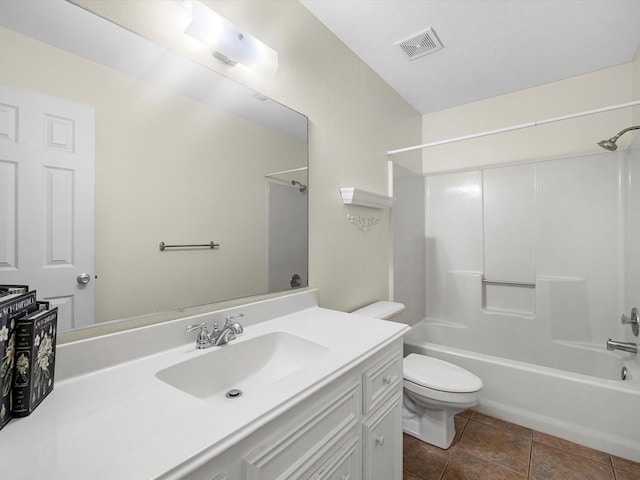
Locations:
(356, 196)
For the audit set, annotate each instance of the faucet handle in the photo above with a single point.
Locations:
(632, 320)
(202, 327)
(203, 340)
(235, 326)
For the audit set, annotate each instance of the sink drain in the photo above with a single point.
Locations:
(624, 373)
(233, 393)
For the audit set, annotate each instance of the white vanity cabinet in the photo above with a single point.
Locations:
(382, 426)
(320, 400)
(349, 430)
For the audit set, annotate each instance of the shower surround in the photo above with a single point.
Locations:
(527, 271)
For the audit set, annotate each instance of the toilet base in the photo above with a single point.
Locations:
(435, 427)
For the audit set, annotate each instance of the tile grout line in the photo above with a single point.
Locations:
(530, 456)
(613, 468)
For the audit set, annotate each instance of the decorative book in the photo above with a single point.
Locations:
(12, 307)
(13, 289)
(34, 360)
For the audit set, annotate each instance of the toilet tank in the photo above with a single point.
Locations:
(384, 310)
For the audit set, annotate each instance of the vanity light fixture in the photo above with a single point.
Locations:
(228, 43)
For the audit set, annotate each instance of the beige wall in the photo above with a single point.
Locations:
(599, 89)
(207, 186)
(354, 118)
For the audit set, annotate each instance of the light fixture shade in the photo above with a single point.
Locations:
(229, 43)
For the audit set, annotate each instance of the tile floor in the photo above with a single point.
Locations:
(486, 448)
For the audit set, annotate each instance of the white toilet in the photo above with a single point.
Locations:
(434, 390)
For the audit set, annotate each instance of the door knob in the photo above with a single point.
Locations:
(83, 278)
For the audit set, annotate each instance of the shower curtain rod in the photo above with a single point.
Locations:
(292, 170)
(514, 127)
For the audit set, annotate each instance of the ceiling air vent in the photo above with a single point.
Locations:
(421, 44)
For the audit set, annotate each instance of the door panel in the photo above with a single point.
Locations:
(47, 155)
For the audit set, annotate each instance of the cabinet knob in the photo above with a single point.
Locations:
(386, 379)
(380, 440)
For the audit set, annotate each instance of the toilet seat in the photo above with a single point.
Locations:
(430, 396)
(438, 375)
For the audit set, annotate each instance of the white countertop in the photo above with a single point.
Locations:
(121, 422)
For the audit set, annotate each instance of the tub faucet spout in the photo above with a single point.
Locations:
(624, 346)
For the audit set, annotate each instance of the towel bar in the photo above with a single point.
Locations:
(210, 245)
(508, 284)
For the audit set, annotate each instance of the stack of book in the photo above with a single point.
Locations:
(27, 351)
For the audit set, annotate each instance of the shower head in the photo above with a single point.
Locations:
(611, 143)
(301, 187)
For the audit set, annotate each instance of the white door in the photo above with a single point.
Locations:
(47, 154)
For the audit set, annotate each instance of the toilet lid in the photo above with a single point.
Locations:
(439, 375)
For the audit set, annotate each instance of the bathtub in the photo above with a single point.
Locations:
(574, 391)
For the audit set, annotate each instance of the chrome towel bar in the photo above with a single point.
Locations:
(210, 245)
(508, 284)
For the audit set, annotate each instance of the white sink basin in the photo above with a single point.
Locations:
(247, 366)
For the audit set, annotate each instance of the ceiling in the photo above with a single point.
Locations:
(491, 47)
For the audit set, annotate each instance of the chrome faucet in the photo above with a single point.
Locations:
(624, 346)
(217, 337)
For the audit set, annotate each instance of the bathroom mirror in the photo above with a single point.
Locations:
(184, 158)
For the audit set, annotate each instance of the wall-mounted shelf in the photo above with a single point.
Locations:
(356, 196)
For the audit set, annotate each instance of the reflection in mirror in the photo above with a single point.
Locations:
(96, 118)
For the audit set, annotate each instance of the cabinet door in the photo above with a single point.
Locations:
(382, 442)
(343, 465)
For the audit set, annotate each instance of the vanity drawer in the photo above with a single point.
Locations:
(380, 380)
(308, 438)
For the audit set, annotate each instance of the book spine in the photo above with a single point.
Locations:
(35, 361)
(24, 359)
